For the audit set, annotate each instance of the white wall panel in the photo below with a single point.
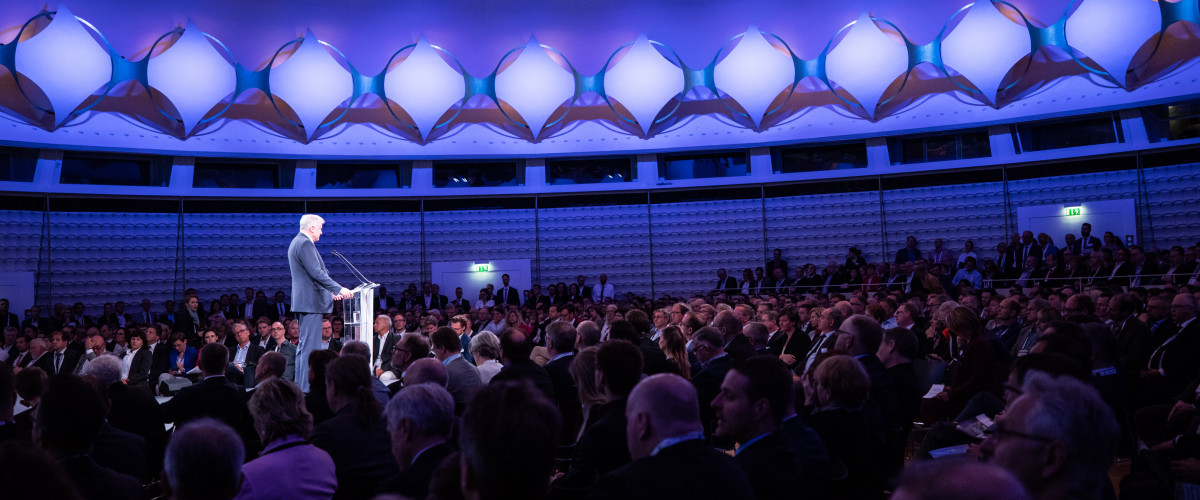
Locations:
(954, 213)
(1097, 186)
(693, 239)
(457, 235)
(590, 240)
(107, 257)
(384, 246)
(812, 229)
(225, 253)
(1173, 200)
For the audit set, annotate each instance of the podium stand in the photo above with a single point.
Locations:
(358, 316)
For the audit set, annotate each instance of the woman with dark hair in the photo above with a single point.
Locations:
(356, 437)
(976, 368)
(572, 294)
(674, 346)
(289, 465)
(315, 400)
(135, 363)
(338, 325)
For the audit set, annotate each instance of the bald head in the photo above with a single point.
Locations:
(426, 371)
(661, 406)
(728, 324)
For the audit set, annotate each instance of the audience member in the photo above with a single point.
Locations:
(834, 393)
(315, 401)
(1058, 437)
(214, 396)
(203, 461)
(515, 349)
(69, 418)
(356, 436)
(419, 419)
(750, 410)
(666, 441)
(708, 344)
(463, 376)
(427, 371)
(958, 480)
(601, 448)
(289, 466)
(485, 349)
(508, 443)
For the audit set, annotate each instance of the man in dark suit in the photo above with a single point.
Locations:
(515, 349)
(313, 291)
(462, 377)
(7, 318)
(709, 346)
(560, 346)
(776, 262)
(280, 308)
(601, 449)
(1179, 268)
(35, 320)
(536, 299)
(214, 396)
(59, 360)
(1173, 364)
(383, 301)
(160, 352)
(462, 303)
(70, 417)
(1086, 243)
(420, 419)
(383, 342)
(666, 442)
(441, 299)
(245, 356)
(736, 345)
(778, 283)
(764, 455)
(725, 284)
(506, 294)
(861, 340)
(1143, 270)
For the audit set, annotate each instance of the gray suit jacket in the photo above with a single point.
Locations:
(463, 381)
(310, 279)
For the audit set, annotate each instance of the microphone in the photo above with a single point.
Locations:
(354, 271)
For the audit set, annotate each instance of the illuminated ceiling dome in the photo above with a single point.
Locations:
(446, 79)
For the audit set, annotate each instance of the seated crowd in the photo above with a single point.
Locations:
(923, 377)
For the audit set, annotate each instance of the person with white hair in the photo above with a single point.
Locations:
(485, 348)
(309, 303)
(1058, 437)
(419, 421)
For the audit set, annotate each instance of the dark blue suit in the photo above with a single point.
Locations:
(312, 296)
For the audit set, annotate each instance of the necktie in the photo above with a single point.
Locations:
(57, 362)
(281, 309)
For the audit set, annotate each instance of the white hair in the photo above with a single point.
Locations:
(429, 406)
(308, 220)
(1077, 416)
(106, 368)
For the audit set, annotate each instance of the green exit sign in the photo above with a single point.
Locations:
(1073, 211)
(483, 268)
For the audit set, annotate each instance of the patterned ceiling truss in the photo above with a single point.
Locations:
(63, 67)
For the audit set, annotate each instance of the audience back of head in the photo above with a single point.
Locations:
(508, 441)
(204, 461)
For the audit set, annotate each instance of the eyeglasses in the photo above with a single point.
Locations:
(999, 433)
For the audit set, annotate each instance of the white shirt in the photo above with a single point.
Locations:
(599, 292)
(489, 369)
(126, 362)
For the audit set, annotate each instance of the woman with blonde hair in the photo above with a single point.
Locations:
(289, 466)
(835, 390)
(976, 370)
(583, 372)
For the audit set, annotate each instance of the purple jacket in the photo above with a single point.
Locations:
(289, 468)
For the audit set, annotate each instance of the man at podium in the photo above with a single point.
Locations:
(313, 291)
